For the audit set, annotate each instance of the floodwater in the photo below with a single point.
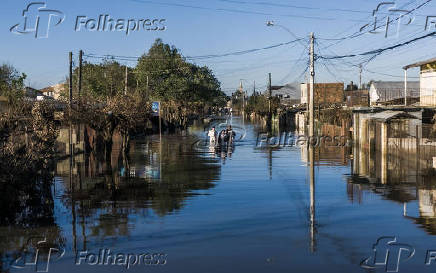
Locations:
(247, 209)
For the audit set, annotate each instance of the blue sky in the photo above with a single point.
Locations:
(220, 26)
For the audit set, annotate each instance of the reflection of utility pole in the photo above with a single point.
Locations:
(269, 121)
(312, 83)
(312, 197)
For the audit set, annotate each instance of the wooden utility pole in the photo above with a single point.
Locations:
(71, 79)
(125, 82)
(79, 84)
(360, 77)
(269, 94)
(147, 85)
(312, 83)
(405, 87)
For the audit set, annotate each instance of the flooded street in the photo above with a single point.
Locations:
(245, 210)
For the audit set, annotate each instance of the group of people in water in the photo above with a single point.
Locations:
(223, 138)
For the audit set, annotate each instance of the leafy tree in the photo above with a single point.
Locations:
(163, 74)
(103, 80)
(11, 83)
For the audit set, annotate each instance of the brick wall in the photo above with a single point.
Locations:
(324, 93)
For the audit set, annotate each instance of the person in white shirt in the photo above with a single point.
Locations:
(212, 136)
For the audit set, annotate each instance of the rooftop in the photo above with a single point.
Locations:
(418, 64)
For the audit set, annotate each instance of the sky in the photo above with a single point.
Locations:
(217, 27)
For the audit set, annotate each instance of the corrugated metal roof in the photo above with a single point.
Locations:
(290, 89)
(389, 115)
(420, 63)
(390, 85)
(383, 91)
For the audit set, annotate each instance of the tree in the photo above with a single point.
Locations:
(104, 80)
(163, 74)
(11, 83)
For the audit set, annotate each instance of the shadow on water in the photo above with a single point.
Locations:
(101, 191)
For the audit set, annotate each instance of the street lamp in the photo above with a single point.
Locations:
(272, 24)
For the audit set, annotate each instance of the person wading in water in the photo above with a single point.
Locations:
(212, 136)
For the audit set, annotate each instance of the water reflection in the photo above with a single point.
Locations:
(286, 206)
(393, 157)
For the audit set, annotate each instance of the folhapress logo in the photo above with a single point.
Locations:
(38, 253)
(388, 254)
(38, 20)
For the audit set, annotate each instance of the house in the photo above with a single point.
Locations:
(324, 93)
(54, 91)
(31, 93)
(288, 94)
(392, 92)
(427, 85)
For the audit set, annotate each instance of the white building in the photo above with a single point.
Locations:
(427, 81)
(54, 91)
(392, 91)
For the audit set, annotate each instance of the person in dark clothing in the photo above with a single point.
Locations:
(222, 138)
(230, 134)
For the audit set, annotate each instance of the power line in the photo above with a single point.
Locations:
(201, 57)
(296, 7)
(360, 33)
(380, 50)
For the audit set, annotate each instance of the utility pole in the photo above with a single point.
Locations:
(405, 87)
(147, 85)
(312, 83)
(360, 76)
(254, 88)
(269, 94)
(80, 73)
(71, 79)
(125, 82)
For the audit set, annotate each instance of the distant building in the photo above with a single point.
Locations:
(427, 93)
(324, 93)
(54, 91)
(357, 98)
(31, 93)
(392, 92)
(288, 94)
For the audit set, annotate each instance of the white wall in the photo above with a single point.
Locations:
(428, 88)
(373, 96)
